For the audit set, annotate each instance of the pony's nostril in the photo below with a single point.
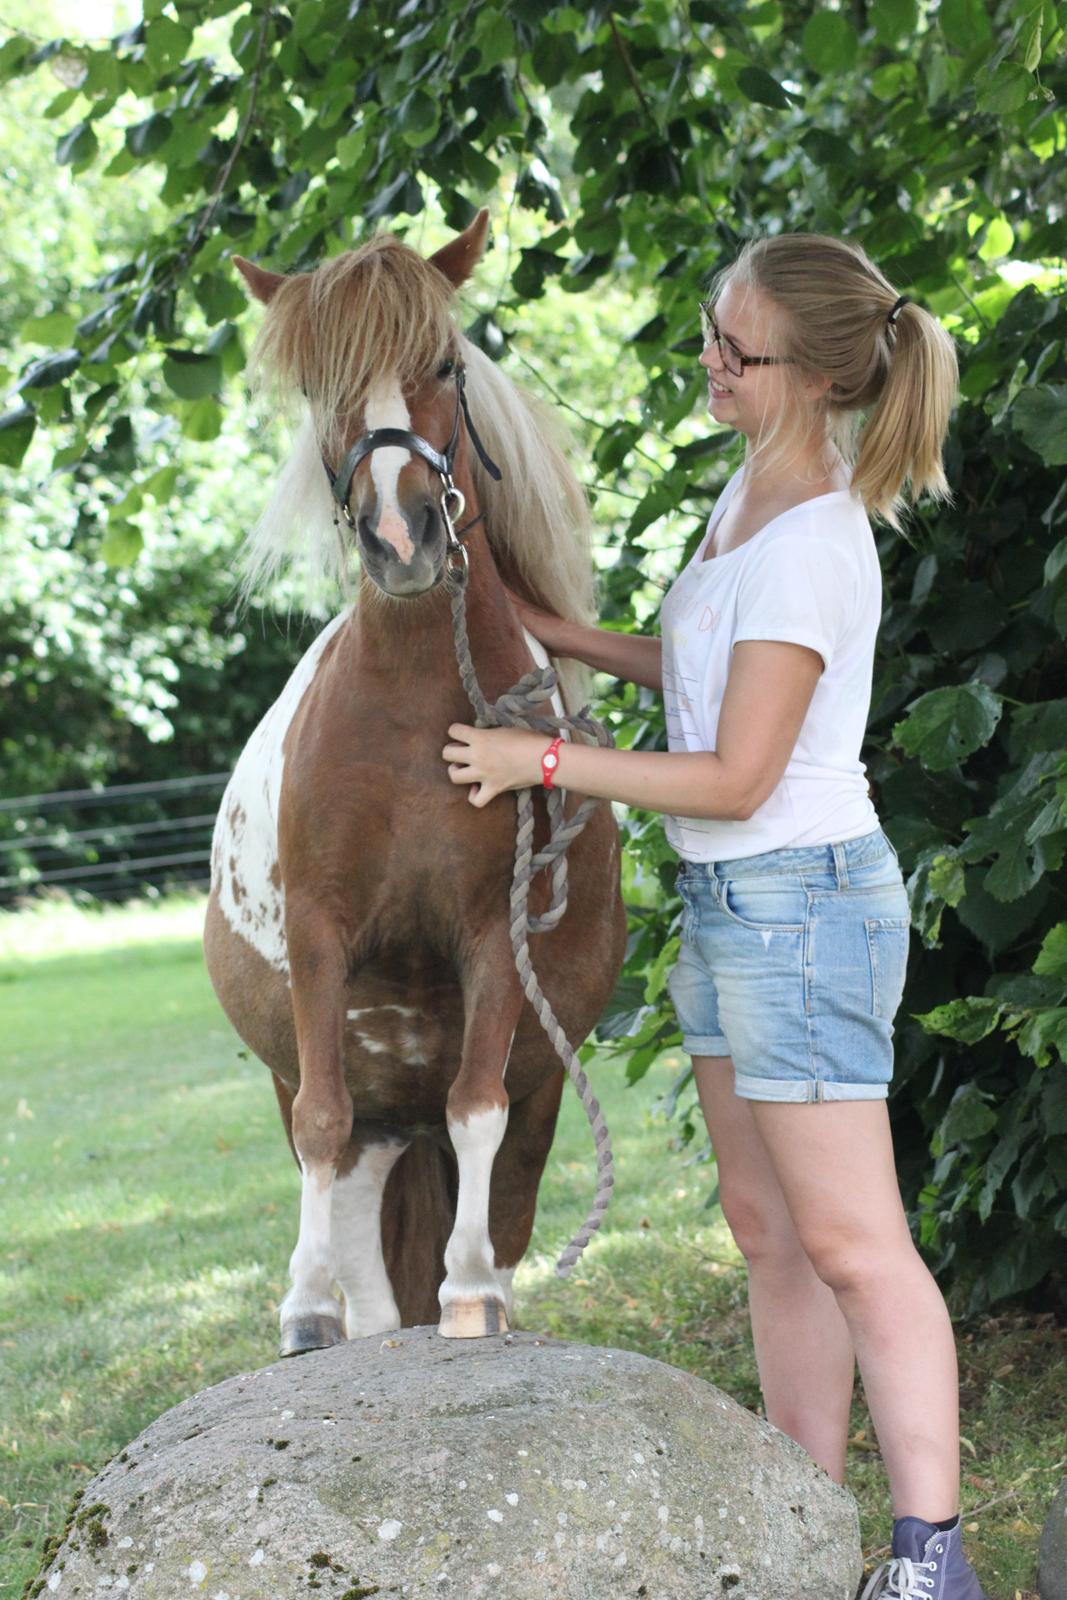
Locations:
(430, 523)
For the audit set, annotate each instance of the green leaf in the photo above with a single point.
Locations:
(419, 117)
(1040, 416)
(16, 430)
(760, 87)
(121, 544)
(202, 420)
(78, 147)
(968, 1117)
(966, 1020)
(50, 370)
(894, 19)
(1044, 1033)
(829, 42)
(964, 23)
(144, 138)
(1006, 90)
(166, 42)
(1052, 957)
(55, 328)
(945, 726)
(1054, 1100)
(192, 376)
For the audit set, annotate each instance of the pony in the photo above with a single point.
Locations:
(357, 926)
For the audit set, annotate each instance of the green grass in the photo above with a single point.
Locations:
(149, 1205)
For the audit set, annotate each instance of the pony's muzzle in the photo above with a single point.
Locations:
(404, 566)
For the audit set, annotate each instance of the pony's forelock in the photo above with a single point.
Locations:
(327, 334)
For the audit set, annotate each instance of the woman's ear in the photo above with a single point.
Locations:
(816, 385)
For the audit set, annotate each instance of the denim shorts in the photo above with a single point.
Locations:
(793, 963)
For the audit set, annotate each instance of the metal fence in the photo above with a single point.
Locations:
(109, 844)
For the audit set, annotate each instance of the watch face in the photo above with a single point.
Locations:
(551, 761)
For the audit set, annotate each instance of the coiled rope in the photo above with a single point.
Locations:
(520, 708)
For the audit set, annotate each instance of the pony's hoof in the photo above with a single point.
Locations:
(310, 1333)
(472, 1319)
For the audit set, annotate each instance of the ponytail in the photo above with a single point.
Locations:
(900, 445)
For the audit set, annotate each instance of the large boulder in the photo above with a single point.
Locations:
(509, 1467)
(1052, 1555)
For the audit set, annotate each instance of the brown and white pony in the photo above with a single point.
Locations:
(357, 931)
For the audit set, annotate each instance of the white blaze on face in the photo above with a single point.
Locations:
(386, 409)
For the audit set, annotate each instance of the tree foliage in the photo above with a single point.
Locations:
(632, 146)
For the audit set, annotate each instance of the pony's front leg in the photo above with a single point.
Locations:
(476, 1294)
(321, 1127)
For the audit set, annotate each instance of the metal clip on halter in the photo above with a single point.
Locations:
(453, 504)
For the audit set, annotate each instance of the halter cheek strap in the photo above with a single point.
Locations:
(441, 462)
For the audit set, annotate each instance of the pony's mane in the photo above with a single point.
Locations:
(327, 334)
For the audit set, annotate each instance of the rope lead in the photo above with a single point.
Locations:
(519, 708)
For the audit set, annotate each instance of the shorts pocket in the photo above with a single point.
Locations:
(888, 939)
(768, 904)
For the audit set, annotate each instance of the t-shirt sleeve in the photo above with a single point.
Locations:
(798, 588)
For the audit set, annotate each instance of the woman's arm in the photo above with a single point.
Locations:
(768, 691)
(632, 656)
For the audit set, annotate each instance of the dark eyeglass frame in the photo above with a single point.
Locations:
(710, 330)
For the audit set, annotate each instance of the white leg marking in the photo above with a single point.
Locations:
(357, 1212)
(386, 409)
(469, 1252)
(312, 1266)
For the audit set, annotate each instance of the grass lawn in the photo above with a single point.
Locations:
(149, 1206)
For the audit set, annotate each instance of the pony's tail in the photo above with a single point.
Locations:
(418, 1214)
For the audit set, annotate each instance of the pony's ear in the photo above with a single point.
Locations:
(458, 258)
(263, 284)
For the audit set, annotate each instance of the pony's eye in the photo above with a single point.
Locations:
(446, 370)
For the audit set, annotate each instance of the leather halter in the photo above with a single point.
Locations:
(441, 462)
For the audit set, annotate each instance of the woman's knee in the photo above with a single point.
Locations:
(762, 1231)
(850, 1262)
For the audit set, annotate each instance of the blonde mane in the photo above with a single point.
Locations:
(325, 336)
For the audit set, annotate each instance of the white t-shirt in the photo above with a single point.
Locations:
(811, 576)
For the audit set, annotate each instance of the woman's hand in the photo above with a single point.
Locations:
(494, 760)
(545, 625)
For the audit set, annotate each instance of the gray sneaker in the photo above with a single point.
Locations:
(928, 1563)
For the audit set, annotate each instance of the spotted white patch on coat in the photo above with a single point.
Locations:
(386, 409)
(244, 849)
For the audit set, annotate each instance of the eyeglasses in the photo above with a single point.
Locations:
(730, 356)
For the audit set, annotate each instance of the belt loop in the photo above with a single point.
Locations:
(840, 865)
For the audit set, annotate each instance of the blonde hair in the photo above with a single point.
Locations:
(835, 324)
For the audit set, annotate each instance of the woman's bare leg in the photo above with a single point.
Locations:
(803, 1347)
(834, 1162)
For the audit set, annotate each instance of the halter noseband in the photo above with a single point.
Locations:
(452, 501)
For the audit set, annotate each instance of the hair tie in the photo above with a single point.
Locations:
(891, 319)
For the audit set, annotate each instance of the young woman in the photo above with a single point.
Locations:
(796, 920)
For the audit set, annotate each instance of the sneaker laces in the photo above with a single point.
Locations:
(899, 1579)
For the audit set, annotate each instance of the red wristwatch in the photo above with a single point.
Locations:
(550, 761)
